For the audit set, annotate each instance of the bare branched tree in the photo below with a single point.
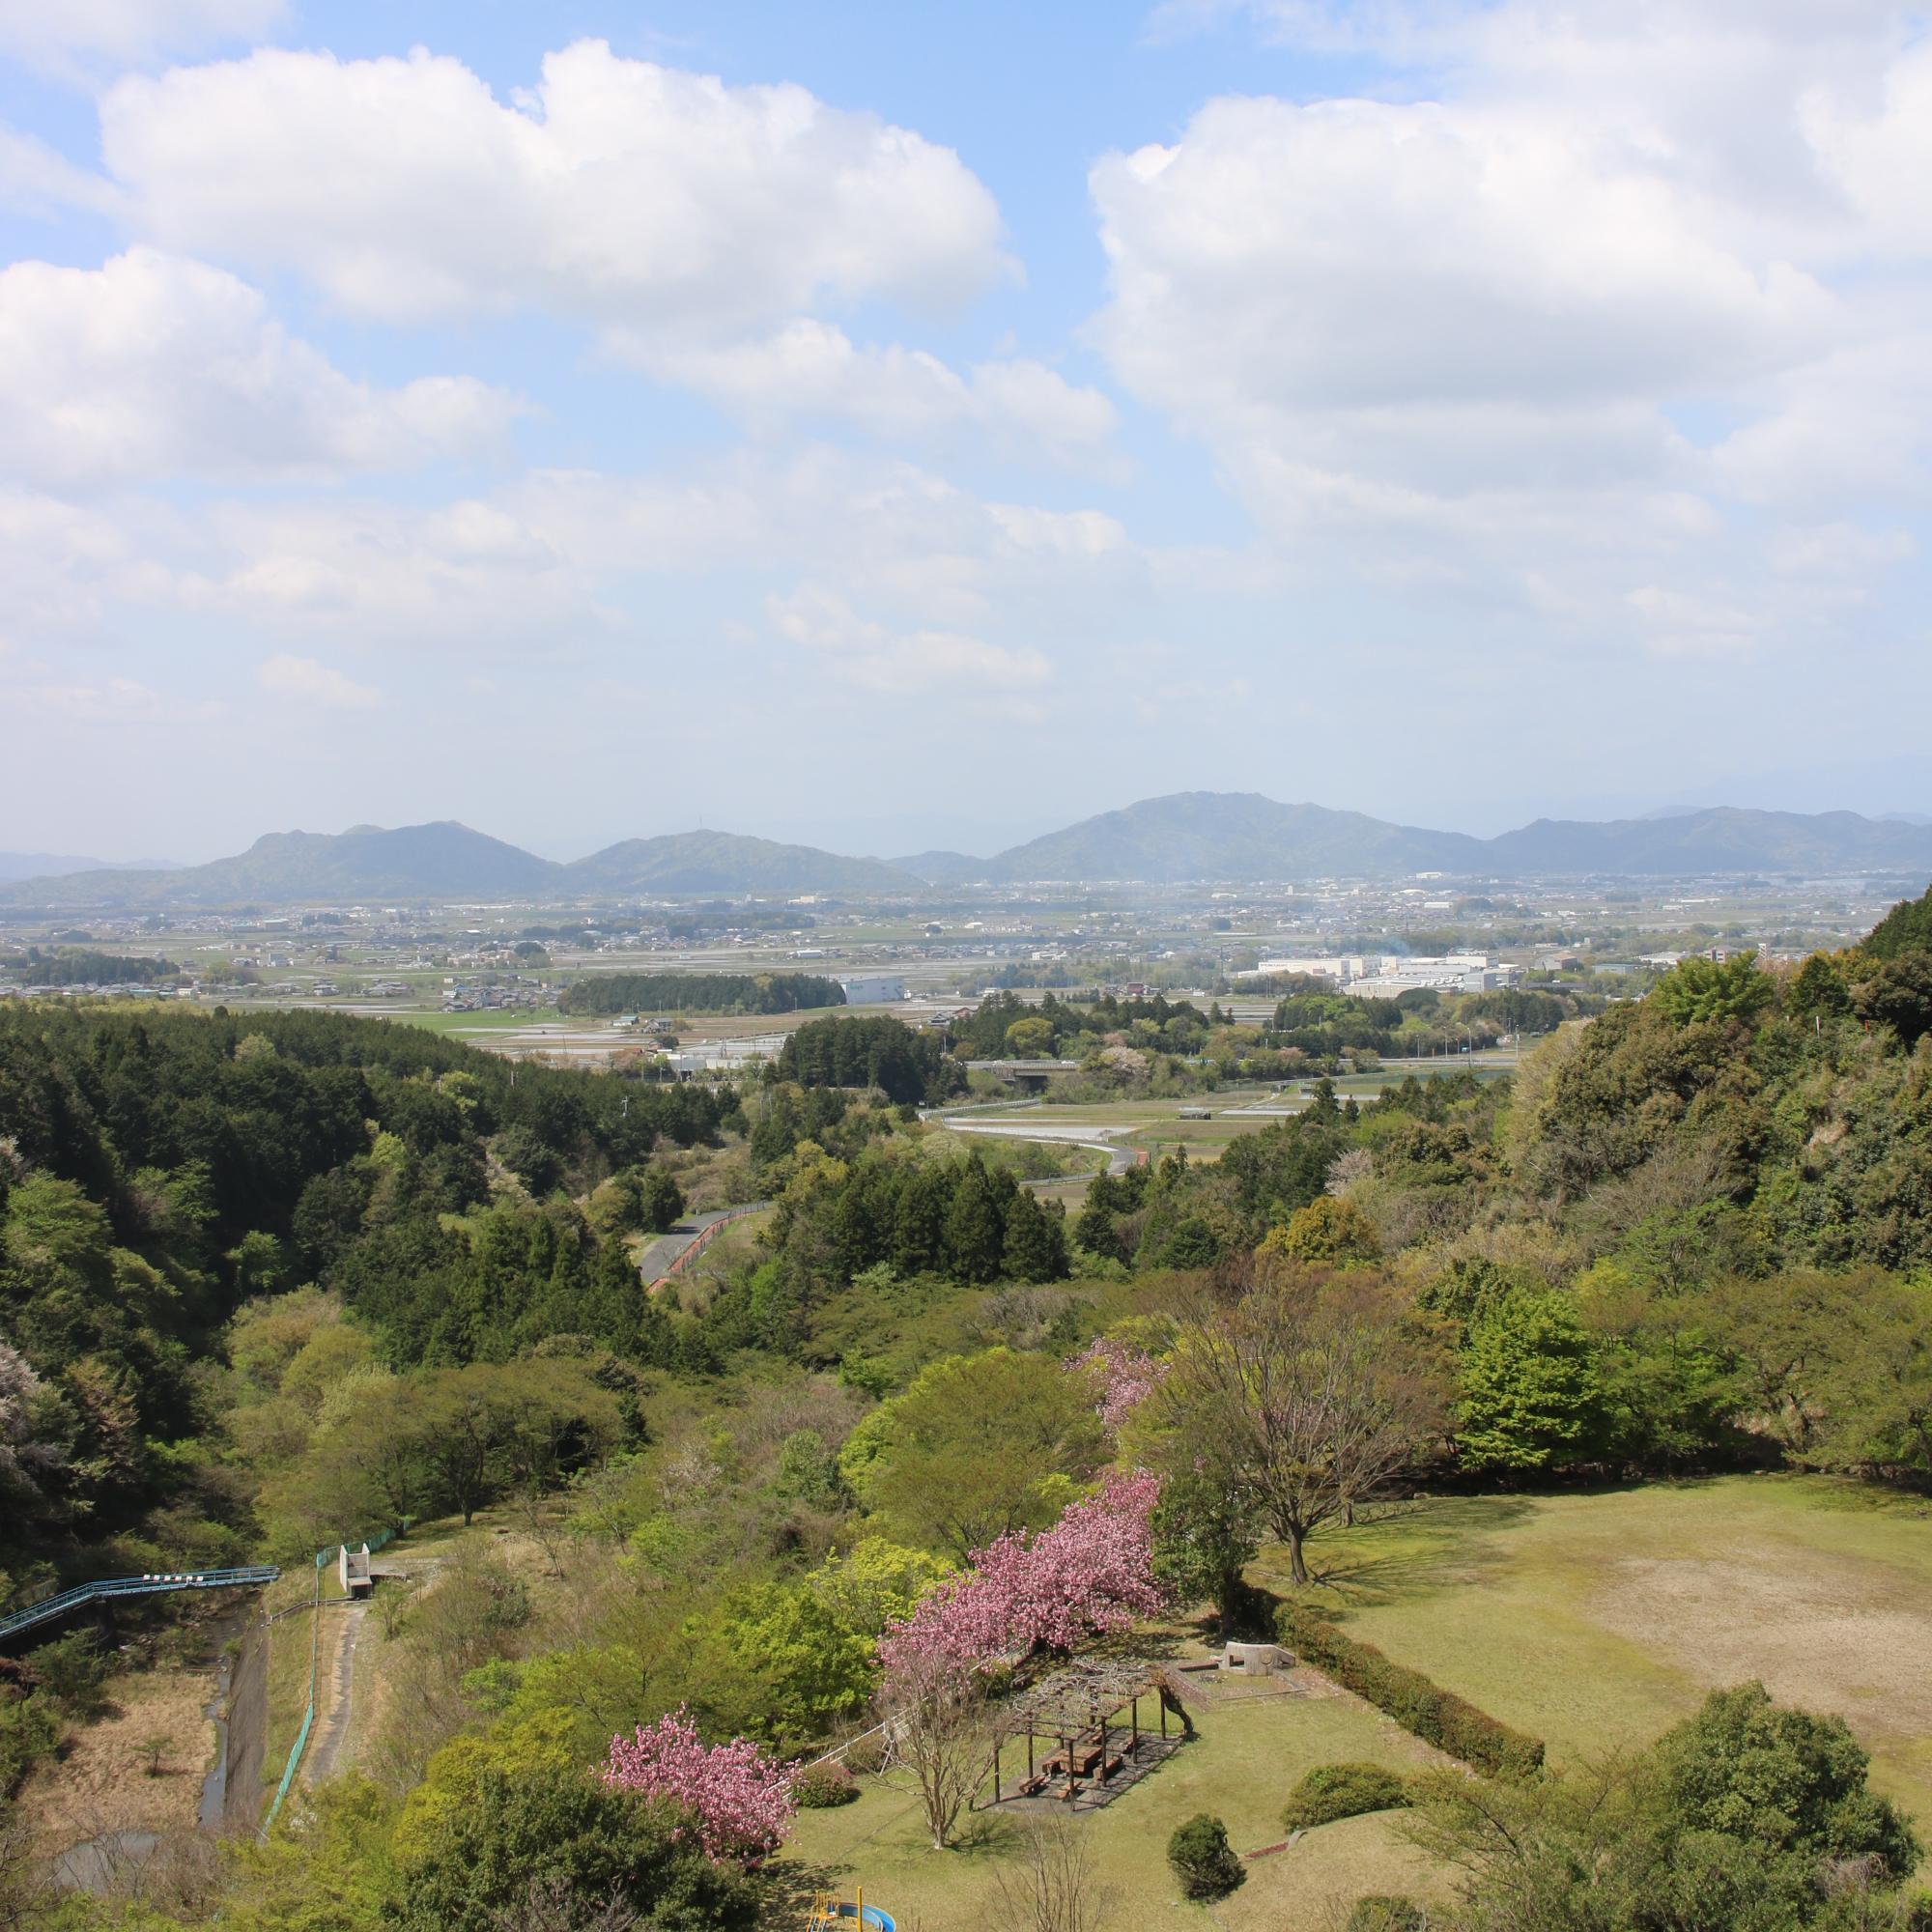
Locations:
(940, 1729)
(553, 1904)
(1054, 1885)
(1303, 1398)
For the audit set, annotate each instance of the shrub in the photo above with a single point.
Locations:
(28, 1733)
(1436, 1715)
(72, 1671)
(818, 1787)
(867, 1754)
(1202, 1859)
(1333, 1791)
(1381, 1911)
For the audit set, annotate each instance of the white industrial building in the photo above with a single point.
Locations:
(1384, 975)
(874, 989)
(726, 1055)
(1447, 973)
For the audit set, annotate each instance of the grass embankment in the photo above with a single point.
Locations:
(1242, 1766)
(1597, 1620)
(291, 1638)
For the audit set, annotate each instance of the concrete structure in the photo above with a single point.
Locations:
(1028, 1075)
(351, 1567)
(1255, 1660)
(1384, 975)
(726, 1055)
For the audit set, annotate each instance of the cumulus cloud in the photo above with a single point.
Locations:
(812, 370)
(308, 682)
(63, 36)
(639, 198)
(152, 366)
(1537, 322)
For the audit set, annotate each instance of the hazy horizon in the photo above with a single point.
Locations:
(853, 842)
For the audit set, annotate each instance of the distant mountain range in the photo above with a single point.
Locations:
(15, 865)
(1228, 836)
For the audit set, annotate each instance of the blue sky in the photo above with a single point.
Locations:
(891, 426)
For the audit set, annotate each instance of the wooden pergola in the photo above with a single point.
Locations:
(1089, 1717)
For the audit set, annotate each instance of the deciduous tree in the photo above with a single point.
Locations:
(1302, 1401)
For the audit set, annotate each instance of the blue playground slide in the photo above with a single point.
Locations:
(879, 1921)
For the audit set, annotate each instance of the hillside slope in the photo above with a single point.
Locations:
(1202, 835)
(443, 860)
(728, 861)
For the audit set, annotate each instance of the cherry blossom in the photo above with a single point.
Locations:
(1093, 1572)
(1123, 1377)
(741, 1800)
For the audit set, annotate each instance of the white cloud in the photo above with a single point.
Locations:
(635, 197)
(308, 682)
(62, 565)
(866, 652)
(65, 34)
(812, 370)
(1539, 335)
(152, 366)
(1880, 154)
(470, 574)
(36, 180)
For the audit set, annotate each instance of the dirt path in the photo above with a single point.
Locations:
(339, 1699)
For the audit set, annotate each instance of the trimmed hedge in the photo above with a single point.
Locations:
(1437, 1716)
(1333, 1791)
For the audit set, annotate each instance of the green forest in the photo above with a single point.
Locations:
(270, 1281)
(699, 993)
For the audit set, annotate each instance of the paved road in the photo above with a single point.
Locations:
(662, 1255)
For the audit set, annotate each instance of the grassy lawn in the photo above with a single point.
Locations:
(1592, 1620)
(491, 1020)
(1241, 1766)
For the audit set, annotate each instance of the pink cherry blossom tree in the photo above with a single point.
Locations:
(1122, 1378)
(1093, 1572)
(741, 1800)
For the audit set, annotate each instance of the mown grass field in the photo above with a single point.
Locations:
(1594, 1620)
(1242, 1766)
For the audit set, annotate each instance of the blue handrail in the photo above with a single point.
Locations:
(50, 1607)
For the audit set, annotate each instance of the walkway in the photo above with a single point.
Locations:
(328, 1742)
(48, 1608)
(663, 1257)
